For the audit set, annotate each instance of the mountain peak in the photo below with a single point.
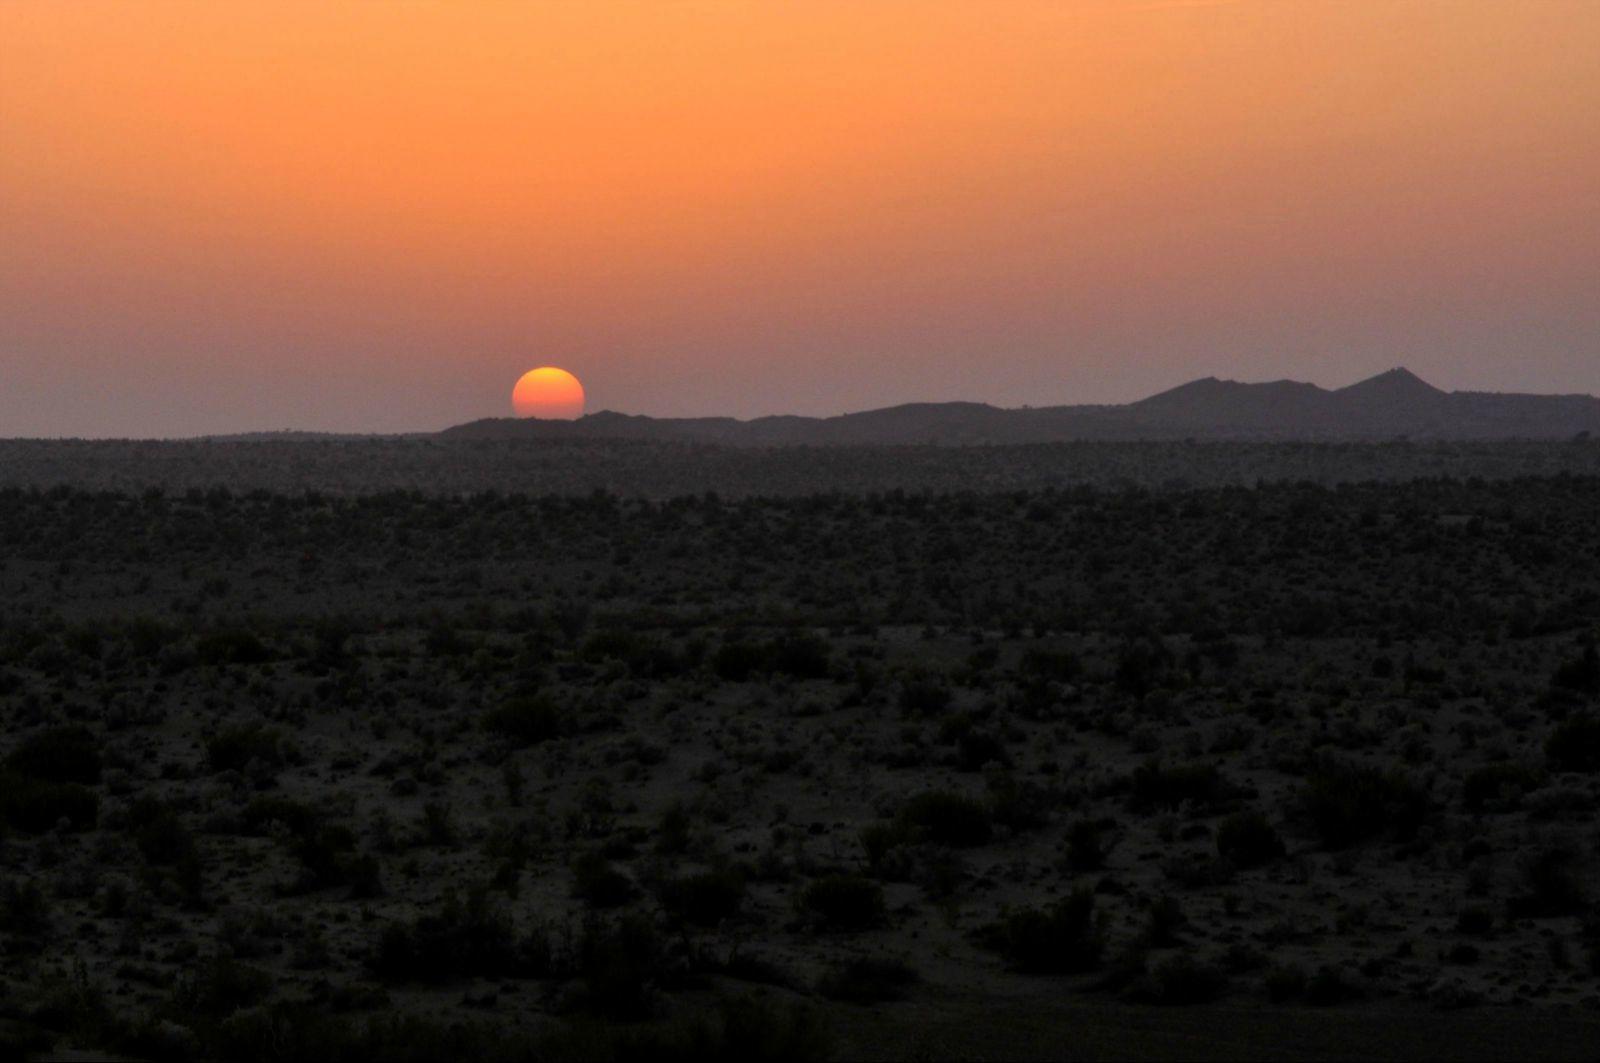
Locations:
(1399, 381)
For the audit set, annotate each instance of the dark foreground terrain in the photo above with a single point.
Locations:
(1280, 771)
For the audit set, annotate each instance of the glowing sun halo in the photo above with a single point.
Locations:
(548, 393)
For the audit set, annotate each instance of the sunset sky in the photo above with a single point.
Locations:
(360, 216)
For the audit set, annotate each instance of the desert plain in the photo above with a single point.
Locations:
(1076, 751)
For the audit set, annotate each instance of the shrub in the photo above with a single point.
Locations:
(1059, 665)
(1475, 921)
(946, 818)
(977, 748)
(233, 748)
(1583, 674)
(1555, 884)
(1018, 805)
(58, 754)
(924, 697)
(868, 980)
(159, 833)
(1061, 939)
(459, 940)
(1087, 845)
(644, 657)
(1330, 985)
(1142, 666)
(673, 832)
(326, 852)
(1166, 919)
(230, 647)
(803, 656)
(704, 899)
(260, 814)
(881, 839)
(597, 882)
(737, 1029)
(736, 662)
(526, 721)
(844, 902)
(218, 988)
(1498, 782)
(1575, 745)
(34, 806)
(1350, 803)
(1180, 980)
(620, 963)
(1284, 983)
(24, 913)
(1248, 839)
(1203, 786)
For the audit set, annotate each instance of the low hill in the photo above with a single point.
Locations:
(1395, 404)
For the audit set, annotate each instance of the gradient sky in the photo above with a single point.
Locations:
(225, 216)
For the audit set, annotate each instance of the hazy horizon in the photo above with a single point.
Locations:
(244, 217)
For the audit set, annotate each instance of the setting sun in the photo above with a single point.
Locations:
(548, 393)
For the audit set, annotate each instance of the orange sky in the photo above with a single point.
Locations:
(374, 216)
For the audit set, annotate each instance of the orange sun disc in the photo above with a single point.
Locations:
(548, 393)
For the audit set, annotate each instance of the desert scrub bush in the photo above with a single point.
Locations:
(1164, 922)
(706, 898)
(674, 830)
(34, 806)
(474, 938)
(1331, 985)
(1476, 921)
(868, 980)
(1017, 804)
(1582, 674)
(644, 657)
(1202, 786)
(237, 747)
(882, 843)
(1284, 982)
(1504, 784)
(1143, 664)
(1555, 881)
(732, 1030)
(975, 749)
(621, 964)
(1061, 666)
(217, 988)
(526, 720)
(728, 1030)
(326, 852)
(736, 661)
(158, 832)
(58, 754)
(261, 813)
(1179, 980)
(230, 647)
(924, 696)
(1088, 844)
(1248, 839)
(598, 882)
(846, 903)
(946, 818)
(1349, 803)
(24, 915)
(800, 656)
(1060, 939)
(1574, 745)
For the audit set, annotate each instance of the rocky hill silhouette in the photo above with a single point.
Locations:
(1392, 405)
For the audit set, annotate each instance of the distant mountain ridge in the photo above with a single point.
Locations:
(1391, 405)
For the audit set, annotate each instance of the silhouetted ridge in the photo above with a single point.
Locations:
(1394, 404)
(1396, 384)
